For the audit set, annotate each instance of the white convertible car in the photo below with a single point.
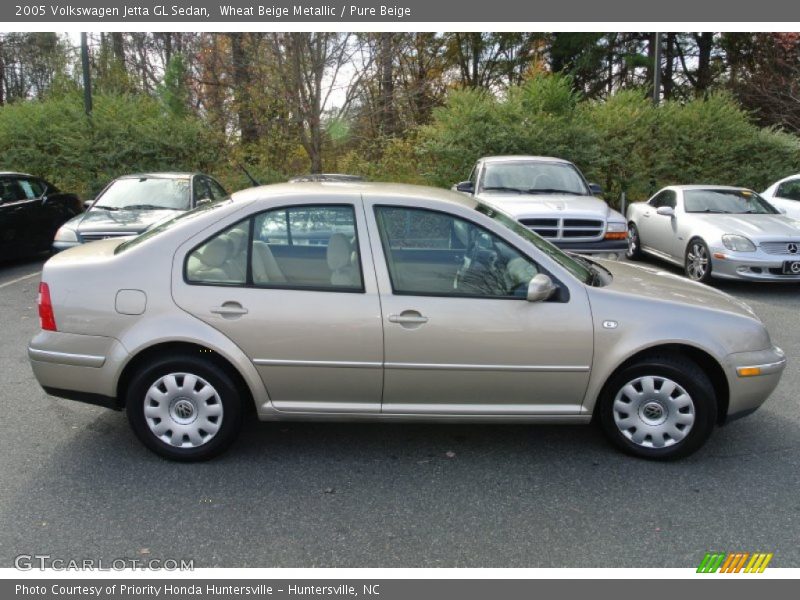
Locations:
(716, 231)
(785, 195)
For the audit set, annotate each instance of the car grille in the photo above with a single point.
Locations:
(566, 229)
(102, 235)
(781, 248)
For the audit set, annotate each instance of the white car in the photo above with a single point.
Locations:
(551, 197)
(716, 231)
(785, 195)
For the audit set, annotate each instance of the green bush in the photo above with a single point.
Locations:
(54, 139)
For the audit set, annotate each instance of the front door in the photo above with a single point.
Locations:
(290, 286)
(460, 337)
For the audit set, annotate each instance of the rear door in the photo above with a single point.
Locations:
(294, 287)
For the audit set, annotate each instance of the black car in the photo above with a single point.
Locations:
(131, 204)
(31, 210)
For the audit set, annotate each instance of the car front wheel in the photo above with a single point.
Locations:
(698, 261)
(184, 408)
(661, 407)
(634, 251)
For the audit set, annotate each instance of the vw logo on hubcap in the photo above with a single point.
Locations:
(791, 248)
(653, 413)
(183, 411)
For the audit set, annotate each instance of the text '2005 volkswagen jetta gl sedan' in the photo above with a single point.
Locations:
(387, 302)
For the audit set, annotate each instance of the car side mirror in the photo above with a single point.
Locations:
(87, 204)
(44, 200)
(665, 211)
(596, 189)
(540, 288)
(782, 211)
(465, 186)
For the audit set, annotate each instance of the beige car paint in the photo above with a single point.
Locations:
(433, 372)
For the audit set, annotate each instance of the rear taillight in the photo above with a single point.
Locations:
(47, 319)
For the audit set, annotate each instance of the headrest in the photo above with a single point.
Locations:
(238, 239)
(216, 252)
(338, 251)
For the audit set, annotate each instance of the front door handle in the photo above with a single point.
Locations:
(408, 317)
(230, 309)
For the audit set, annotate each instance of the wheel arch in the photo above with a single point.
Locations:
(709, 365)
(174, 348)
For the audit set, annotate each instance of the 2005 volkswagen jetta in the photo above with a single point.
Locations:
(387, 302)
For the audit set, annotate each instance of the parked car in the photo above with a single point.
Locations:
(31, 210)
(785, 196)
(329, 177)
(551, 197)
(421, 305)
(716, 231)
(131, 204)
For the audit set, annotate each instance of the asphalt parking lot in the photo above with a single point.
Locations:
(75, 483)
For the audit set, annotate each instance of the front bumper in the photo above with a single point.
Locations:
(752, 377)
(78, 367)
(609, 248)
(750, 266)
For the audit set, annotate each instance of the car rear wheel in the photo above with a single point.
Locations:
(634, 251)
(184, 408)
(698, 261)
(661, 407)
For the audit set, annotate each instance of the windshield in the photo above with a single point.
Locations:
(726, 201)
(533, 177)
(580, 270)
(170, 223)
(146, 193)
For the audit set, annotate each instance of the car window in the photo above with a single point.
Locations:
(726, 201)
(434, 253)
(217, 191)
(789, 190)
(201, 190)
(146, 193)
(222, 259)
(532, 177)
(301, 247)
(10, 190)
(313, 247)
(664, 198)
(32, 188)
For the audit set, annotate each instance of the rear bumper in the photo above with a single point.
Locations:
(749, 391)
(77, 367)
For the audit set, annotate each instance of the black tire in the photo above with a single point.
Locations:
(697, 251)
(634, 250)
(207, 374)
(662, 367)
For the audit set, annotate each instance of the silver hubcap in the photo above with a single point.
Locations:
(697, 261)
(183, 410)
(654, 412)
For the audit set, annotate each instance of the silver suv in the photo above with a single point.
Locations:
(551, 197)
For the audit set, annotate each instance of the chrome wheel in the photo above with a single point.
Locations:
(697, 261)
(653, 411)
(183, 410)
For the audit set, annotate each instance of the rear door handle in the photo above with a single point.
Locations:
(408, 317)
(230, 309)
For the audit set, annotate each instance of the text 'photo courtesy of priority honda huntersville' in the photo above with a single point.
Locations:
(348, 301)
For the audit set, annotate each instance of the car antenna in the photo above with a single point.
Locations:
(250, 177)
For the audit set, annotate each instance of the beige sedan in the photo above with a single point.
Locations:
(385, 302)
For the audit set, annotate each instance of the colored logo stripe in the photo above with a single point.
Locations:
(733, 562)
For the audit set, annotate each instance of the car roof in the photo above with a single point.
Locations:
(160, 175)
(512, 158)
(15, 173)
(699, 186)
(336, 188)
